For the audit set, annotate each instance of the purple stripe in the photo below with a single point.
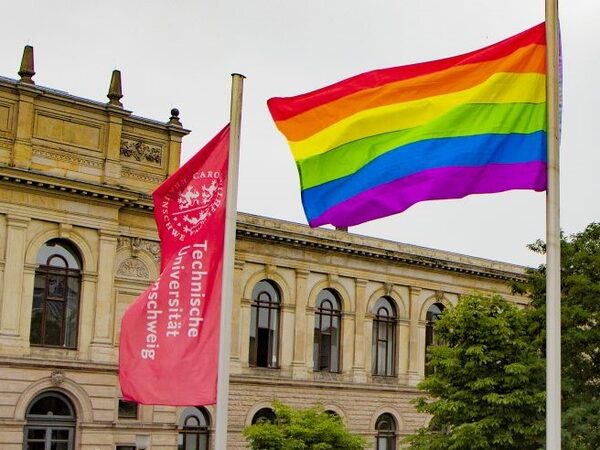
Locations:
(434, 184)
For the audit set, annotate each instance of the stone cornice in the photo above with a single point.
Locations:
(257, 228)
(37, 180)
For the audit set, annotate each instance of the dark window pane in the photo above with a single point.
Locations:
(128, 410)
(59, 446)
(72, 312)
(191, 441)
(264, 415)
(54, 322)
(56, 286)
(36, 445)
(203, 441)
(36, 433)
(50, 405)
(60, 434)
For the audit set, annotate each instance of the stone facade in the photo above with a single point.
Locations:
(82, 171)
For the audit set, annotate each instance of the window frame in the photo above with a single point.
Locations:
(389, 435)
(50, 422)
(390, 322)
(202, 429)
(273, 309)
(45, 272)
(334, 313)
(431, 318)
(123, 414)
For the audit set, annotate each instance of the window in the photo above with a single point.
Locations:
(433, 314)
(264, 325)
(264, 415)
(125, 447)
(384, 338)
(194, 434)
(127, 410)
(57, 285)
(326, 347)
(386, 432)
(50, 423)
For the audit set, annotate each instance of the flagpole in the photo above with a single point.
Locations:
(553, 331)
(237, 87)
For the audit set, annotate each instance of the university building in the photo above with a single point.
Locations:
(318, 315)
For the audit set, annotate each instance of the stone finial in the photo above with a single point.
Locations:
(174, 119)
(26, 70)
(115, 93)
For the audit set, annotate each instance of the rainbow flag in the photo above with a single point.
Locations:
(377, 143)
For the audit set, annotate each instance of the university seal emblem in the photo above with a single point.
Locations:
(189, 204)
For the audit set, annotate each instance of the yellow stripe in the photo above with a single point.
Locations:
(499, 88)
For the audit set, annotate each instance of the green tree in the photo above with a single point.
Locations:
(580, 340)
(487, 388)
(302, 429)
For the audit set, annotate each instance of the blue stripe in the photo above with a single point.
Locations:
(461, 151)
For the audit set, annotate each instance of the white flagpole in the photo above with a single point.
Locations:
(237, 87)
(553, 366)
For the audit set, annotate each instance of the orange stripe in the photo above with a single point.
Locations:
(525, 60)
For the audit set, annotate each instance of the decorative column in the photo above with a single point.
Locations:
(236, 331)
(12, 285)
(102, 341)
(360, 343)
(414, 350)
(299, 363)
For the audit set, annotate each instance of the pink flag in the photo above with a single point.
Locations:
(168, 350)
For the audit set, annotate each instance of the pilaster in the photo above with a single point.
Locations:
(12, 286)
(359, 367)
(414, 353)
(236, 335)
(299, 363)
(104, 314)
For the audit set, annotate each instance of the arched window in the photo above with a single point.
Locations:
(433, 314)
(264, 325)
(57, 286)
(386, 432)
(50, 423)
(194, 429)
(326, 347)
(263, 415)
(384, 338)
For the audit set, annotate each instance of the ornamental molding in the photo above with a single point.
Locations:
(141, 151)
(57, 377)
(141, 176)
(64, 157)
(137, 244)
(133, 268)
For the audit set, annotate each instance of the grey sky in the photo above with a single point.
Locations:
(181, 53)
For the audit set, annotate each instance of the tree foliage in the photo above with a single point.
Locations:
(580, 340)
(302, 429)
(487, 388)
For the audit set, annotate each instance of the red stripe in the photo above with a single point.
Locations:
(283, 108)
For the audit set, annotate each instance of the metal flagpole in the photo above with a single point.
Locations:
(237, 87)
(553, 376)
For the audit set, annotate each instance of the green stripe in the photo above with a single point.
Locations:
(465, 120)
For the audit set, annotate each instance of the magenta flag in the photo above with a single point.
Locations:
(168, 349)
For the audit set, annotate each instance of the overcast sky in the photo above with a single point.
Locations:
(180, 53)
